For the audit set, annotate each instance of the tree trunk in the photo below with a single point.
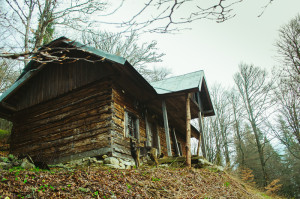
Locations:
(259, 146)
(27, 31)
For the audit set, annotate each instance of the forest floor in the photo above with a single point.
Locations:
(102, 182)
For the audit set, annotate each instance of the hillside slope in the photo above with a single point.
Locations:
(108, 183)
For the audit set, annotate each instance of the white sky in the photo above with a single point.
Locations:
(218, 48)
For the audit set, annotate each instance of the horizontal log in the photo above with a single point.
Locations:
(122, 156)
(65, 99)
(70, 109)
(121, 149)
(54, 152)
(91, 153)
(61, 115)
(103, 115)
(121, 141)
(51, 142)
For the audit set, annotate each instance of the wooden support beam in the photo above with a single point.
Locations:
(8, 106)
(176, 143)
(199, 102)
(137, 130)
(158, 140)
(167, 130)
(201, 133)
(126, 131)
(201, 140)
(200, 137)
(188, 131)
(149, 140)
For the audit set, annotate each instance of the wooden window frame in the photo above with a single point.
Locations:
(135, 121)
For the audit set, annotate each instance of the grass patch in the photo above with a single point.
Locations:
(4, 135)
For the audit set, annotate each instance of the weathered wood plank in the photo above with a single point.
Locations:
(57, 79)
(188, 131)
(123, 156)
(158, 139)
(67, 98)
(167, 130)
(176, 143)
(63, 126)
(121, 149)
(148, 130)
(51, 141)
(91, 153)
(62, 108)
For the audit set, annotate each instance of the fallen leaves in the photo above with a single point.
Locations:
(109, 183)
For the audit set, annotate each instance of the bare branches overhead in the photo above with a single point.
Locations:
(168, 15)
(27, 24)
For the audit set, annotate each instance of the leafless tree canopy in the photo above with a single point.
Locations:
(138, 55)
(27, 24)
(24, 23)
(168, 15)
(288, 48)
(8, 74)
(287, 90)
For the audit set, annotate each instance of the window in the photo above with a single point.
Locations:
(131, 126)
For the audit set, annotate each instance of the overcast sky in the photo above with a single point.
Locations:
(218, 48)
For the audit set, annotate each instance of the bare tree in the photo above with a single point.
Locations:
(209, 139)
(254, 89)
(288, 48)
(237, 117)
(287, 129)
(138, 55)
(8, 74)
(25, 22)
(286, 92)
(158, 73)
(223, 117)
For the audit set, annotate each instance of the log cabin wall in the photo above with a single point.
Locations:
(72, 126)
(180, 136)
(56, 79)
(122, 102)
(182, 140)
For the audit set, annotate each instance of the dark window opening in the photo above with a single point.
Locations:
(131, 125)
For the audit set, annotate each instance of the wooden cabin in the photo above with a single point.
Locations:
(77, 101)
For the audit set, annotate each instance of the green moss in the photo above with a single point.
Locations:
(4, 134)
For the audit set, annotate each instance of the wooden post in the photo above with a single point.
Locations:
(202, 140)
(158, 140)
(200, 133)
(166, 125)
(149, 141)
(137, 130)
(126, 132)
(200, 121)
(199, 140)
(176, 143)
(188, 132)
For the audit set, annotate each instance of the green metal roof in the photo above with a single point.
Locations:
(80, 46)
(29, 69)
(179, 83)
(98, 52)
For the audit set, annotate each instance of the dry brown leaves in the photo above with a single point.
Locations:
(109, 183)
